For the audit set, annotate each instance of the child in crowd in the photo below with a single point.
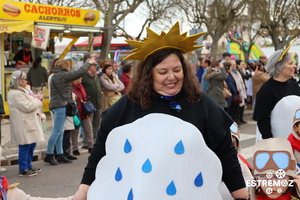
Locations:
(274, 171)
(294, 137)
(245, 166)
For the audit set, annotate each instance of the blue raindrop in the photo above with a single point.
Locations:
(118, 175)
(179, 148)
(171, 189)
(199, 180)
(147, 167)
(130, 195)
(127, 146)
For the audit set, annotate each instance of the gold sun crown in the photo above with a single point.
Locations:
(155, 42)
(286, 49)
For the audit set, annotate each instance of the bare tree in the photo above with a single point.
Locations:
(216, 15)
(67, 3)
(114, 12)
(154, 12)
(280, 19)
(245, 31)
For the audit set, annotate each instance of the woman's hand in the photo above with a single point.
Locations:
(40, 95)
(297, 181)
(81, 193)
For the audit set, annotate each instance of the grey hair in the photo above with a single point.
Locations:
(273, 67)
(14, 79)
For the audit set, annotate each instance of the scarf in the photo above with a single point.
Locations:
(287, 196)
(294, 142)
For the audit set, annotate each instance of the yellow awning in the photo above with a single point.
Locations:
(16, 26)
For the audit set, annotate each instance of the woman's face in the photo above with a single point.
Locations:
(109, 71)
(22, 82)
(168, 76)
(273, 192)
(288, 69)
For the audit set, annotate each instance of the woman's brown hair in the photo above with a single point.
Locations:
(62, 63)
(141, 90)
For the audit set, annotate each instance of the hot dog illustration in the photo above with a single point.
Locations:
(11, 9)
(89, 17)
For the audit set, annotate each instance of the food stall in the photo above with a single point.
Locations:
(40, 25)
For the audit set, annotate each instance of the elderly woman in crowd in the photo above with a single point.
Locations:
(278, 98)
(150, 135)
(61, 82)
(25, 121)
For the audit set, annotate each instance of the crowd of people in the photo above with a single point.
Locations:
(147, 127)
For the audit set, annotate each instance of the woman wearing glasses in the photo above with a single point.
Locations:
(25, 121)
(165, 139)
(274, 171)
(278, 98)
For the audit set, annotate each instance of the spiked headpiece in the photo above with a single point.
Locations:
(155, 42)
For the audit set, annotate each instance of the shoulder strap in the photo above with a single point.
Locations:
(61, 96)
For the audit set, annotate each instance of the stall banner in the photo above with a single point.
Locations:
(18, 26)
(40, 37)
(48, 14)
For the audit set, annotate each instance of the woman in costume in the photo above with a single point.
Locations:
(161, 140)
(278, 98)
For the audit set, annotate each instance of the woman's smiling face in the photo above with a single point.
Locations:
(168, 76)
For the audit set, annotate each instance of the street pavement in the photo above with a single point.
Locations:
(63, 180)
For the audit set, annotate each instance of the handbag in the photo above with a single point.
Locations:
(87, 106)
(71, 108)
(226, 93)
(237, 99)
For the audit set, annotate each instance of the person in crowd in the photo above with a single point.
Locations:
(111, 86)
(200, 69)
(62, 78)
(241, 88)
(2, 112)
(241, 67)
(258, 79)
(216, 77)
(116, 69)
(92, 87)
(23, 56)
(226, 57)
(263, 60)
(294, 137)
(245, 165)
(25, 121)
(204, 82)
(278, 98)
(211, 59)
(231, 85)
(274, 165)
(247, 77)
(126, 76)
(86, 122)
(69, 123)
(124, 62)
(37, 76)
(163, 122)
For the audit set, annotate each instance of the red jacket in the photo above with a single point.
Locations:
(126, 81)
(79, 91)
